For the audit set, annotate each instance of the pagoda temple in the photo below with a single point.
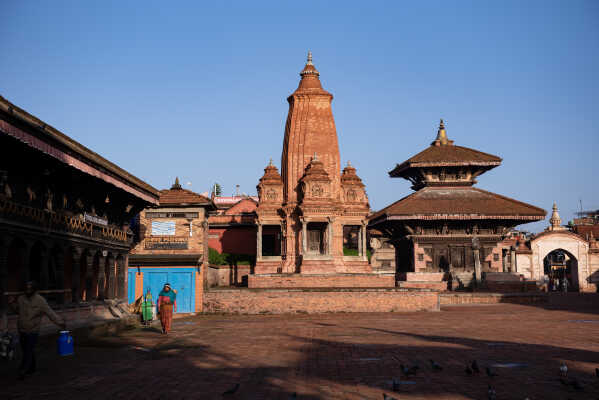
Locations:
(311, 217)
(448, 229)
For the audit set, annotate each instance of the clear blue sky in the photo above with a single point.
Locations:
(198, 89)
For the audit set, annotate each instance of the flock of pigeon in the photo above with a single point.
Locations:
(471, 369)
(474, 369)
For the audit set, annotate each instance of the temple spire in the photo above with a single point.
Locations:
(441, 135)
(555, 219)
(176, 185)
(309, 61)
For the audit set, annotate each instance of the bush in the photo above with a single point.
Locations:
(216, 258)
(355, 253)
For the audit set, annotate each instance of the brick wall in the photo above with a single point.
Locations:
(314, 281)
(491, 298)
(283, 301)
(233, 240)
(199, 292)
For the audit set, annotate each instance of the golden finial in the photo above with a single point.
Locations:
(309, 62)
(176, 185)
(441, 135)
(348, 163)
(270, 163)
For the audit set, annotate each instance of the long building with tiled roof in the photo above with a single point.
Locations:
(449, 230)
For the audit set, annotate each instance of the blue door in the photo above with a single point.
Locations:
(182, 283)
(181, 279)
(154, 281)
(131, 285)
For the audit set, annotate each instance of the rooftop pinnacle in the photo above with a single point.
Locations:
(441, 135)
(309, 62)
(176, 185)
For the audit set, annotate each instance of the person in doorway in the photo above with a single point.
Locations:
(31, 307)
(167, 302)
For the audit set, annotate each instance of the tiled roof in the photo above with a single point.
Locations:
(230, 200)
(458, 203)
(447, 155)
(181, 196)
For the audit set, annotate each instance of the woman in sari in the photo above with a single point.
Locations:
(167, 300)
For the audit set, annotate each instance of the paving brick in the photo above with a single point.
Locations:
(330, 356)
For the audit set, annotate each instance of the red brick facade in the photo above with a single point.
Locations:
(283, 301)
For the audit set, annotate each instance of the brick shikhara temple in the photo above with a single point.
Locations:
(311, 218)
(448, 229)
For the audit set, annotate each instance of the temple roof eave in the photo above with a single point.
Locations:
(400, 169)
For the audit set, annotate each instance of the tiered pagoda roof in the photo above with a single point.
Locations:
(443, 175)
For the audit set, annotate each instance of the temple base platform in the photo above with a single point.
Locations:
(338, 280)
(318, 300)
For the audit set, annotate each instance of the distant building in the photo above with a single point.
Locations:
(232, 234)
(173, 248)
(65, 213)
(559, 253)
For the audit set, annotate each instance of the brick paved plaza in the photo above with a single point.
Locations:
(330, 356)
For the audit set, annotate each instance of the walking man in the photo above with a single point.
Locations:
(31, 307)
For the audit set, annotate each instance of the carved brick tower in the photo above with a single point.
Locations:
(312, 217)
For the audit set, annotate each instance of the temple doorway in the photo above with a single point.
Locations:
(562, 269)
(317, 238)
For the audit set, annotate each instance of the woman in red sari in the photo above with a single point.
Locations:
(167, 301)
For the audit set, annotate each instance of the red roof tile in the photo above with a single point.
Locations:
(447, 155)
(458, 203)
(181, 196)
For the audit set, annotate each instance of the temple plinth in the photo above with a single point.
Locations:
(311, 216)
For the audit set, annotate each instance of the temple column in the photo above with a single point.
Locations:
(513, 266)
(304, 237)
(3, 274)
(120, 278)
(44, 268)
(259, 242)
(111, 278)
(59, 263)
(89, 276)
(363, 244)
(101, 277)
(476, 254)
(330, 235)
(25, 259)
(76, 276)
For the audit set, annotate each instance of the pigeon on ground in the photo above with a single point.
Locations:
(468, 369)
(232, 390)
(404, 369)
(385, 397)
(435, 366)
(563, 369)
(491, 394)
(491, 373)
(475, 368)
(413, 369)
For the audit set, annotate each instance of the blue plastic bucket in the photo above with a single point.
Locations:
(65, 344)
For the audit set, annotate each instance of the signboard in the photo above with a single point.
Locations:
(166, 243)
(95, 220)
(163, 228)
